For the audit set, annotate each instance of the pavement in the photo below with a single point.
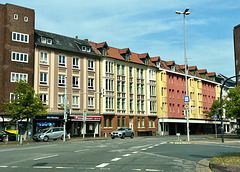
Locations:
(203, 165)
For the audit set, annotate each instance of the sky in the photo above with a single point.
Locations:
(148, 26)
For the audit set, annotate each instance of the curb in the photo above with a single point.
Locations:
(203, 166)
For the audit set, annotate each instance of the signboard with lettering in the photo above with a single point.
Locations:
(88, 118)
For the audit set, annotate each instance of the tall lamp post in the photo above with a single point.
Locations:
(186, 70)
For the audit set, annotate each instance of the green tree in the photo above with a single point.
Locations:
(213, 109)
(26, 105)
(232, 103)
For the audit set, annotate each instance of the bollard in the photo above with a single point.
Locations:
(6, 139)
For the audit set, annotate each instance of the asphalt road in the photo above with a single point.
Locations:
(138, 154)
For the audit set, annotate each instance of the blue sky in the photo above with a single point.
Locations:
(148, 26)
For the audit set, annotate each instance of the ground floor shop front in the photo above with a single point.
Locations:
(196, 127)
(141, 125)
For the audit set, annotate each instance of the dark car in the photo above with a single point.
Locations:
(4, 134)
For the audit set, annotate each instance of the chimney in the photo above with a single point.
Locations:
(76, 37)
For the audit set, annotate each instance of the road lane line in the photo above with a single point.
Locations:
(44, 157)
(64, 167)
(82, 150)
(135, 152)
(3, 166)
(116, 159)
(102, 165)
(150, 147)
(47, 167)
(136, 169)
(127, 155)
(156, 145)
(152, 170)
(144, 149)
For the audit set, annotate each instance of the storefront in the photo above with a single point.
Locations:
(89, 128)
(42, 122)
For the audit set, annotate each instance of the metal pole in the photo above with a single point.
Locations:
(65, 110)
(215, 128)
(163, 119)
(186, 72)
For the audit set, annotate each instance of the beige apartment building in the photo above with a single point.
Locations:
(61, 62)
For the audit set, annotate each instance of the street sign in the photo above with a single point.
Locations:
(215, 117)
(186, 106)
(186, 99)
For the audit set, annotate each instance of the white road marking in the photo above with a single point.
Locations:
(150, 147)
(156, 145)
(144, 149)
(127, 155)
(136, 169)
(81, 150)
(135, 152)
(152, 170)
(14, 167)
(3, 166)
(64, 167)
(48, 167)
(102, 165)
(44, 157)
(116, 159)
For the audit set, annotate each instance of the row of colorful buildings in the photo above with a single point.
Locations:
(114, 87)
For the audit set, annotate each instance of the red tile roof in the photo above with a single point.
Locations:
(155, 59)
(170, 63)
(123, 51)
(202, 71)
(192, 68)
(94, 45)
(114, 53)
(102, 44)
(211, 74)
(143, 56)
(134, 57)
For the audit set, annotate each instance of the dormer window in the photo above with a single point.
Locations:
(158, 64)
(15, 16)
(43, 40)
(173, 68)
(49, 41)
(88, 49)
(84, 48)
(26, 19)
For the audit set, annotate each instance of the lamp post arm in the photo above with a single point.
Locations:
(221, 103)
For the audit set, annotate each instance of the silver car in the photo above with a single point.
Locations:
(122, 133)
(49, 133)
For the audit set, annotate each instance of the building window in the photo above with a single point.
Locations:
(15, 77)
(139, 124)
(123, 104)
(25, 18)
(108, 121)
(152, 106)
(90, 83)
(75, 82)
(43, 78)
(109, 84)
(44, 98)
(84, 48)
(130, 72)
(142, 123)
(142, 105)
(123, 70)
(75, 62)
(20, 37)
(49, 41)
(119, 121)
(109, 67)
(118, 69)
(75, 101)
(19, 57)
(43, 57)
(13, 96)
(43, 40)
(123, 121)
(138, 105)
(61, 80)
(90, 65)
(88, 49)
(118, 104)
(15, 16)
(109, 103)
(131, 88)
(91, 102)
(123, 87)
(62, 60)
(131, 105)
(60, 99)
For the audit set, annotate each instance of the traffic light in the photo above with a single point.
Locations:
(220, 111)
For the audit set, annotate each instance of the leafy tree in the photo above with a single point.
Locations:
(213, 109)
(232, 103)
(26, 105)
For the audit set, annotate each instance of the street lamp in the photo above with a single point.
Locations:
(186, 70)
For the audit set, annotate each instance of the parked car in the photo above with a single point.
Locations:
(122, 133)
(4, 134)
(49, 134)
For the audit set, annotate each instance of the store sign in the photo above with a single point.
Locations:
(52, 117)
(88, 118)
(45, 124)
